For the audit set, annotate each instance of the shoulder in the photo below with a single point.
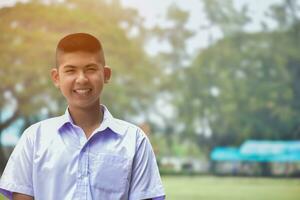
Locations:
(44, 127)
(129, 131)
(126, 124)
(129, 127)
(136, 132)
(120, 126)
(50, 122)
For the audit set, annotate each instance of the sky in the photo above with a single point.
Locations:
(153, 12)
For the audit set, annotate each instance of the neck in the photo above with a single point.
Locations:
(87, 118)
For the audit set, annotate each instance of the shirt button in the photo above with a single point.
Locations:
(82, 141)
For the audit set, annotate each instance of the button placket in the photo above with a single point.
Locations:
(82, 175)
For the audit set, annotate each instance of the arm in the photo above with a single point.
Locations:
(17, 176)
(18, 196)
(145, 180)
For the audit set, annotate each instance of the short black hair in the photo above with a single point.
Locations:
(80, 42)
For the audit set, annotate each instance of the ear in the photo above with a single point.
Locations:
(55, 76)
(107, 74)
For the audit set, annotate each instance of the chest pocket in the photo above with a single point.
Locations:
(109, 175)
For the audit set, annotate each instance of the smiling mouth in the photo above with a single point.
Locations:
(82, 91)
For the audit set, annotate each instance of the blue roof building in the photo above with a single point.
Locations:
(259, 151)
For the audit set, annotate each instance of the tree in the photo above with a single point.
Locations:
(172, 63)
(225, 16)
(29, 33)
(243, 86)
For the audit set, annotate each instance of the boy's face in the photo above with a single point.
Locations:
(80, 76)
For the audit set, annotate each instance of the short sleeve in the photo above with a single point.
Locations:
(17, 175)
(145, 179)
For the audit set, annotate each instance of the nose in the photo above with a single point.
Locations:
(81, 78)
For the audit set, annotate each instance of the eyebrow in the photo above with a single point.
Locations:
(88, 65)
(69, 66)
(91, 65)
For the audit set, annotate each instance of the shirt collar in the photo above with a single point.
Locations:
(112, 123)
(108, 122)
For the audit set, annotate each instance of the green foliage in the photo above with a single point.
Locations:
(29, 33)
(179, 148)
(254, 86)
(225, 16)
(172, 62)
(243, 86)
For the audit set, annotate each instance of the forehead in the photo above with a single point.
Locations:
(78, 58)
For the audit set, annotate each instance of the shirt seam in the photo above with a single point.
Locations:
(158, 192)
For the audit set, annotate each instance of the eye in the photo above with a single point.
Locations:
(91, 69)
(69, 70)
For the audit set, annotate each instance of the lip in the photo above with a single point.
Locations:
(82, 91)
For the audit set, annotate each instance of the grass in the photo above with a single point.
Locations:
(230, 188)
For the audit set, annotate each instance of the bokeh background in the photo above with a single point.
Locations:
(215, 84)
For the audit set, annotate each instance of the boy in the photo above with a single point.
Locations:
(85, 153)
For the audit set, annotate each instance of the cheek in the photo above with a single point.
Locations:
(98, 79)
(65, 84)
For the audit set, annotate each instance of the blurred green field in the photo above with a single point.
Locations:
(229, 188)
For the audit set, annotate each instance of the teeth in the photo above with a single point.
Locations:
(82, 91)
